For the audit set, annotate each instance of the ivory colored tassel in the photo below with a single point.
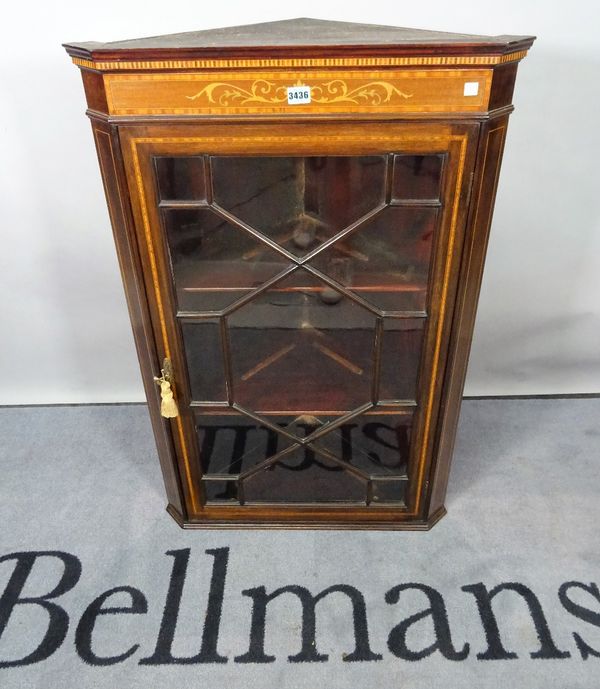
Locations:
(168, 406)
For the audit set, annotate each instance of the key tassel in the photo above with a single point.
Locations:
(168, 406)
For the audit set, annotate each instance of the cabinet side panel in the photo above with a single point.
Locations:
(503, 85)
(93, 84)
(481, 209)
(109, 157)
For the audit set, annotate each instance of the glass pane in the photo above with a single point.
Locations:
(400, 356)
(340, 190)
(301, 346)
(220, 491)
(417, 177)
(232, 444)
(215, 263)
(181, 179)
(303, 476)
(386, 260)
(202, 343)
(389, 491)
(299, 202)
(376, 443)
(302, 352)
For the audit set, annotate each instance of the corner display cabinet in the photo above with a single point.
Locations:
(301, 212)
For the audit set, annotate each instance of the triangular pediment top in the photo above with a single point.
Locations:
(300, 34)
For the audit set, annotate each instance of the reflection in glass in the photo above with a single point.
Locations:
(301, 346)
(376, 443)
(304, 476)
(232, 444)
(181, 179)
(214, 262)
(417, 177)
(299, 202)
(386, 260)
(400, 356)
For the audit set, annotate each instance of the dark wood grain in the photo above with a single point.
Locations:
(303, 36)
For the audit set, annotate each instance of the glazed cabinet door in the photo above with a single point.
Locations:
(301, 279)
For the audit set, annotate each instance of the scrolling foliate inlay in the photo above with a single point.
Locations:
(334, 91)
(265, 92)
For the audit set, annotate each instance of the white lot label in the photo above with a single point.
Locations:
(298, 94)
(471, 88)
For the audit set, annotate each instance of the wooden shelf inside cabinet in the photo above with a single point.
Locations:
(301, 211)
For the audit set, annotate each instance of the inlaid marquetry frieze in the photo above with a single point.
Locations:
(232, 93)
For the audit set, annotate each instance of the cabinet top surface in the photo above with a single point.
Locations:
(301, 36)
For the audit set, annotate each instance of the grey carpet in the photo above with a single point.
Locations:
(523, 507)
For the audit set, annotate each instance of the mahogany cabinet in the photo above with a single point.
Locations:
(301, 212)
